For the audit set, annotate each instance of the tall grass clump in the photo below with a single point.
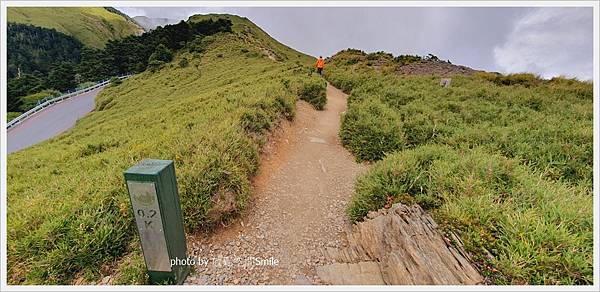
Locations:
(68, 209)
(371, 130)
(314, 91)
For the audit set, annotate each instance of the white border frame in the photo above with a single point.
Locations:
(151, 3)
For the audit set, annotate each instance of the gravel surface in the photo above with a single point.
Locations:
(300, 195)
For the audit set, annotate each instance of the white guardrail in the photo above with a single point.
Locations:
(53, 101)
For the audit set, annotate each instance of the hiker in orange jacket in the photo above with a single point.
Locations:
(320, 64)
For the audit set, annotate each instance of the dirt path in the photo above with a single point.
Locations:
(301, 192)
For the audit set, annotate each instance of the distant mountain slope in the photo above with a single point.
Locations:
(256, 37)
(149, 23)
(93, 26)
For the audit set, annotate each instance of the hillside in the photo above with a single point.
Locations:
(502, 161)
(209, 110)
(93, 26)
(255, 37)
(402, 64)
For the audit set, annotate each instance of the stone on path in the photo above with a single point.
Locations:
(399, 246)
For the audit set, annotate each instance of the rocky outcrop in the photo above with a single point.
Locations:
(434, 67)
(398, 246)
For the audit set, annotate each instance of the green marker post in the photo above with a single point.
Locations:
(155, 203)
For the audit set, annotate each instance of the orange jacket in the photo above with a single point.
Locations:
(320, 63)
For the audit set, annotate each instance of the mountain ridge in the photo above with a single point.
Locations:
(93, 26)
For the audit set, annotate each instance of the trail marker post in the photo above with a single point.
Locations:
(445, 82)
(155, 203)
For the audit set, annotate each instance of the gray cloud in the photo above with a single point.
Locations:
(550, 42)
(488, 38)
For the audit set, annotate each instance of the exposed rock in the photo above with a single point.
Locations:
(434, 67)
(401, 246)
(302, 280)
(361, 273)
(105, 280)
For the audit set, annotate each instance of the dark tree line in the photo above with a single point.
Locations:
(134, 53)
(34, 50)
(37, 59)
(48, 59)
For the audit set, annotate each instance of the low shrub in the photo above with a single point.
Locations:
(115, 81)
(256, 121)
(12, 115)
(183, 62)
(370, 129)
(85, 85)
(314, 91)
(524, 79)
(30, 101)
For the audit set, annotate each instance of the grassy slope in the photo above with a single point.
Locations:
(507, 168)
(93, 26)
(256, 37)
(68, 206)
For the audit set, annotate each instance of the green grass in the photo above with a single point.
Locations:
(68, 209)
(313, 89)
(30, 101)
(12, 115)
(93, 26)
(505, 162)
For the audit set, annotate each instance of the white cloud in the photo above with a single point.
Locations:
(550, 42)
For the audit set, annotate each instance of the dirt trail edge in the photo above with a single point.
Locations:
(301, 191)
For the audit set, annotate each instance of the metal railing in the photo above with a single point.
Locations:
(45, 103)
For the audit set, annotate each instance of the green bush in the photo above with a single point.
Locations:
(524, 79)
(12, 115)
(520, 228)
(30, 101)
(155, 65)
(183, 62)
(370, 130)
(85, 85)
(314, 91)
(256, 121)
(161, 53)
(407, 59)
(115, 81)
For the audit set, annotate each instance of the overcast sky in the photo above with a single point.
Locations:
(547, 41)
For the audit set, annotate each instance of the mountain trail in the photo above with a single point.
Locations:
(301, 191)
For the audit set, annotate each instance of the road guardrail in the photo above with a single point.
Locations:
(53, 101)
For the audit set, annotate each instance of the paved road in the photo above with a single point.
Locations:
(50, 122)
